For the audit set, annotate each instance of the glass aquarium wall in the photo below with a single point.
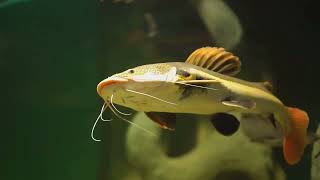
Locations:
(53, 54)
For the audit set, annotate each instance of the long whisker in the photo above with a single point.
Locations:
(193, 85)
(104, 107)
(148, 95)
(114, 107)
(128, 121)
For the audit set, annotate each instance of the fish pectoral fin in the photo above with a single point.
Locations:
(225, 124)
(244, 104)
(165, 120)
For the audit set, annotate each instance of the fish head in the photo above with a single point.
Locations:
(129, 88)
(136, 76)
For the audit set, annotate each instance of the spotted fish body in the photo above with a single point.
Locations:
(199, 87)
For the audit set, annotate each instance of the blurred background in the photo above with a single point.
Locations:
(53, 54)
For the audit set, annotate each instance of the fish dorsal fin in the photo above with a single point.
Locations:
(215, 59)
(268, 85)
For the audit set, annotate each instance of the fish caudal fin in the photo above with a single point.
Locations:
(296, 140)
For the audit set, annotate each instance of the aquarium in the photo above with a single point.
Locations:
(160, 90)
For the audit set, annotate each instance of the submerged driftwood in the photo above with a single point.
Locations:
(213, 157)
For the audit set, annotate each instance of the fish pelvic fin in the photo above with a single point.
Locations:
(164, 120)
(295, 141)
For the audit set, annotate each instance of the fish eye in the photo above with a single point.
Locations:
(131, 71)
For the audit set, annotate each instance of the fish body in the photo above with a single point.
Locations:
(162, 80)
(194, 87)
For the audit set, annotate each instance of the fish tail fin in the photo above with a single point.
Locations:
(296, 140)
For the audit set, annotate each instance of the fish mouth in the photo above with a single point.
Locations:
(108, 82)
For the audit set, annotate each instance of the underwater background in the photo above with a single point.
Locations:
(54, 53)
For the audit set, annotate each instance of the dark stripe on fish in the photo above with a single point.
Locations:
(187, 91)
(273, 121)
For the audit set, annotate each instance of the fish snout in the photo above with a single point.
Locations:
(108, 82)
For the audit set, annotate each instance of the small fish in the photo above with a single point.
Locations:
(204, 85)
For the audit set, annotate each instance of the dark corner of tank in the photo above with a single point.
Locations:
(53, 54)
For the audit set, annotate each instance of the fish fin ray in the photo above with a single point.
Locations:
(215, 59)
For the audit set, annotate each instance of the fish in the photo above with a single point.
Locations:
(205, 84)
